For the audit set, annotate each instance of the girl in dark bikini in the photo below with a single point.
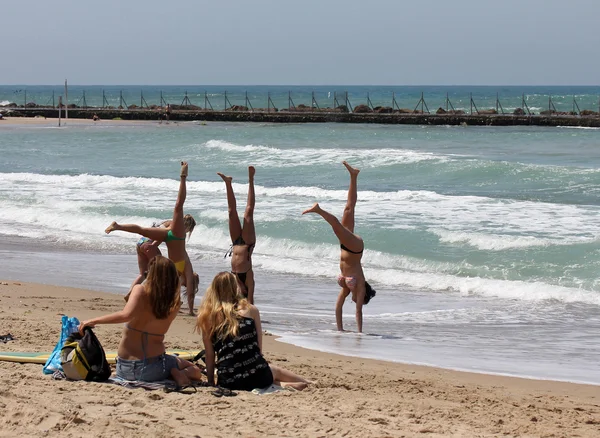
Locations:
(352, 279)
(243, 238)
(174, 236)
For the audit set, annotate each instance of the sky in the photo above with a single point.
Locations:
(301, 42)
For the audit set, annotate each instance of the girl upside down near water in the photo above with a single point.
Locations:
(232, 336)
(243, 238)
(147, 249)
(174, 236)
(352, 279)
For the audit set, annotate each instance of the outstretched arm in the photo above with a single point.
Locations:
(338, 309)
(118, 317)
(359, 315)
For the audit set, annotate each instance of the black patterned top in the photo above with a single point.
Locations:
(240, 364)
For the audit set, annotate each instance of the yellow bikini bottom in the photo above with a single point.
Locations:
(180, 266)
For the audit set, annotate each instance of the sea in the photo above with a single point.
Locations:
(483, 243)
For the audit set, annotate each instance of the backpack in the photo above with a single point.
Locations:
(83, 358)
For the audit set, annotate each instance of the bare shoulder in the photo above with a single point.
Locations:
(249, 311)
(253, 311)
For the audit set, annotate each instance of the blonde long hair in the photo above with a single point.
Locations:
(218, 313)
(162, 286)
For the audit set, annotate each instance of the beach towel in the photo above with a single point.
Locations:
(270, 390)
(69, 325)
(165, 385)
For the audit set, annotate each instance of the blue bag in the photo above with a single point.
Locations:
(69, 325)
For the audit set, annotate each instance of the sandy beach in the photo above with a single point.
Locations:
(42, 121)
(351, 396)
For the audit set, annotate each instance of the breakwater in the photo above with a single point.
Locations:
(322, 116)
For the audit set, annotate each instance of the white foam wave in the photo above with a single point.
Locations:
(4, 102)
(500, 242)
(484, 223)
(587, 128)
(367, 158)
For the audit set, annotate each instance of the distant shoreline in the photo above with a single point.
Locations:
(305, 115)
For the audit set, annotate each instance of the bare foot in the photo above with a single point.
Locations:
(180, 377)
(314, 209)
(298, 386)
(251, 172)
(111, 227)
(184, 169)
(225, 178)
(351, 169)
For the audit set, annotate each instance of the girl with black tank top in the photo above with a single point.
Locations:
(232, 336)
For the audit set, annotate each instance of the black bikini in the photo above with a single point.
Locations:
(241, 275)
(350, 251)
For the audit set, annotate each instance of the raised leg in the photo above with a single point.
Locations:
(348, 216)
(344, 235)
(151, 233)
(248, 231)
(177, 225)
(235, 227)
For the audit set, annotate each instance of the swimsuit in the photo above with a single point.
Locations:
(349, 282)
(180, 265)
(240, 242)
(171, 237)
(148, 369)
(241, 275)
(143, 240)
(350, 251)
(240, 364)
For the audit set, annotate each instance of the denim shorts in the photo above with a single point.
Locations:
(149, 370)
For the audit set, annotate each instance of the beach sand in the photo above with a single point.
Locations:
(351, 396)
(41, 121)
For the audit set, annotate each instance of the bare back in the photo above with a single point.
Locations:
(143, 335)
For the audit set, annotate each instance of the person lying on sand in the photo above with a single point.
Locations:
(173, 235)
(352, 279)
(147, 315)
(243, 238)
(232, 336)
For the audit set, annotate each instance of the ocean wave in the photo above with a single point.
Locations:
(587, 128)
(365, 158)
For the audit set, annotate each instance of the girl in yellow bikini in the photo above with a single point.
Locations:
(173, 235)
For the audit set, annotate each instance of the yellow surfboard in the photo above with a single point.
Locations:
(111, 356)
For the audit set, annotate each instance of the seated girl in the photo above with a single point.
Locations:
(232, 336)
(147, 315)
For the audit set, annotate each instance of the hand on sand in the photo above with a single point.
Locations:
(184, 169)
(314, 209)
(351, 169)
